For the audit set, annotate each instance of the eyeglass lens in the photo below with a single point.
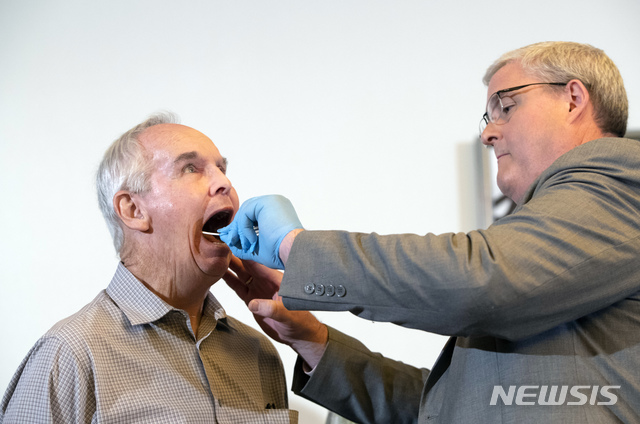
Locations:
(498, 111)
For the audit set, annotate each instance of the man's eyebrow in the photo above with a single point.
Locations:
(186, 156)
(194, 155)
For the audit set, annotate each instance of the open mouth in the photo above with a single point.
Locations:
(217, 221)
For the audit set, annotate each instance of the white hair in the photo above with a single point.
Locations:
(126, 166)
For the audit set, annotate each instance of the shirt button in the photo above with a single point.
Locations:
(330, 290)
(309, 288)
(319, 290)
(341, 290)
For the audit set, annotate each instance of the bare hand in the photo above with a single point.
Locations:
(264, 282)
(298, 329)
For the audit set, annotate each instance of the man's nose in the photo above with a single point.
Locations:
(489, 135)
(219, 183)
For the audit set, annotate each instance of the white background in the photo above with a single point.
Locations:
(362, 112)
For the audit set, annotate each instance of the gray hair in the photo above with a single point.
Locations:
(126, 166)
(559, 61)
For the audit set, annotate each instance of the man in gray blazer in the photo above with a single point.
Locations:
(543, 306)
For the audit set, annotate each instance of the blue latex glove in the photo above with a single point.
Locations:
(274, 216)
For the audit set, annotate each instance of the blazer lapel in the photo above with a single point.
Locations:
(441, 365)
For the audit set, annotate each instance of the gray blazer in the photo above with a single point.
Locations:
(544, 306)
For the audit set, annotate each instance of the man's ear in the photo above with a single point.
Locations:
(579, 99)
(130, 209)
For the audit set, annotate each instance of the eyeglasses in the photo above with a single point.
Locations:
(500, 109)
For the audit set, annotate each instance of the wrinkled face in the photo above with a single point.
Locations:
(189, 191)
(533, 137)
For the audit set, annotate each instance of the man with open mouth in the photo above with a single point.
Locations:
(156, 346)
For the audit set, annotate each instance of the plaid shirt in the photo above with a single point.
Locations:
(130, 357)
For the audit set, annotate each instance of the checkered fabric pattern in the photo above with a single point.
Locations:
(129, 357)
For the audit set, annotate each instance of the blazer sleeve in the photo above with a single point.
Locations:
(571, 250)
(361, 385)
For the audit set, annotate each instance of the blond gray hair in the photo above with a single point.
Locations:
(559, 61)
(126, 166)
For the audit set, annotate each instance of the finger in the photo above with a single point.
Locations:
(234, 282)
(259, 270)
(248, 237)
(239, 253)
(264, 308)
(242, 226)
(237, 266)
(229, 234)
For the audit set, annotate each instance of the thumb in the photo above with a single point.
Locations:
(263, 307)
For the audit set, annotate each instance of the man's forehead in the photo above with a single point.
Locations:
(175, 139)
(510, 75)
(163, 133)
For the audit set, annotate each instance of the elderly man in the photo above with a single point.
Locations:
(543, 307)
(156, 346)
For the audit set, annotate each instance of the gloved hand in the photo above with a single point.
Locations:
(274, 217)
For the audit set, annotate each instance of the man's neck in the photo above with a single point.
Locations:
(180, 289)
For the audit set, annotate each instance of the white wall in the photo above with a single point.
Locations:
(361, 111)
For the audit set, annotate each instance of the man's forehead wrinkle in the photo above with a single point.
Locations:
(154, 138)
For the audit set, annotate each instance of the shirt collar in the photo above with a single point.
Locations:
(142, 306)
